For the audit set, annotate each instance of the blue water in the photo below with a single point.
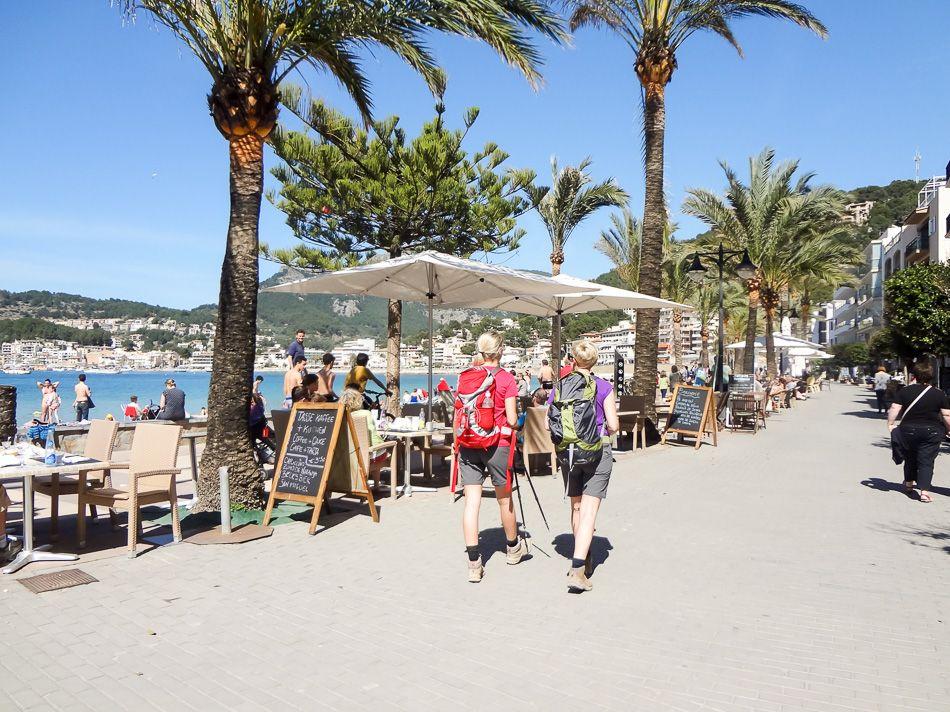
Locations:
(111, 391)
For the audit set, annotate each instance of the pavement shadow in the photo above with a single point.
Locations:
(600, 548)
(493, 541)
(872, 414)
(882, 485)
(931, 539)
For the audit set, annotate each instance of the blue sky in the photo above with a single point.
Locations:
(114, 180)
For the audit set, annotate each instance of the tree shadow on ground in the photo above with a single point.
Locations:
(882, 485)
(930, 539)
(600, 548)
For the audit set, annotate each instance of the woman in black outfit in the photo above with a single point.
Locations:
(924, 427)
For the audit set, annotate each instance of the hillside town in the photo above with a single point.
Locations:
(128, 337)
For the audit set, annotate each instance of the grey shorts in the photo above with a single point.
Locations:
(591, 479)
(476, 465)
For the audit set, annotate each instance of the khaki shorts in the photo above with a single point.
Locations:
(5, 502)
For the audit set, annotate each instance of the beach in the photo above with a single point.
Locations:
(111, 391)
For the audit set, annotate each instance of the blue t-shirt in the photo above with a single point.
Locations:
(295, 350)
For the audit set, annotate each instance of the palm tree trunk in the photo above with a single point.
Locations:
(229, 394)
(770, 366)
(704, 351)
(677, 337)
(748, 355)
(805, 317)
(557, 258)
(651, 250)
(393, 343)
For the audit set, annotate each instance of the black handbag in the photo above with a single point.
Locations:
(898, 439)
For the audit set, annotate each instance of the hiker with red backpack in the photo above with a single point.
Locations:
(485, 416)
(582, 414)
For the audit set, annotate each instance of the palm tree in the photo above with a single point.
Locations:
(248, 48)
(677, 285)
(772, 210)
(655, 30)
(569, 201)
(621, 245)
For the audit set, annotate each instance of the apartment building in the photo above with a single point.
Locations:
(925, 235)
(858, 213)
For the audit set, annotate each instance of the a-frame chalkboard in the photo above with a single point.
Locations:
(320, 439)
(692, 414)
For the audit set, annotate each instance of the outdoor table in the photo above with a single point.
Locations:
(191, 436)
(615, 438)
(36, 468)
(404, 439)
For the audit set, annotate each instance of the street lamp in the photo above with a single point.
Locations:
(745, 269)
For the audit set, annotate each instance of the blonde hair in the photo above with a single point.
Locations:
(585, 354)
(491, 345)
(352, 399)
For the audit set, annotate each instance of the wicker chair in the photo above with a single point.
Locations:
(744, 411)
(372, 463)
(100, 442)
(152, 466)
(537, 438)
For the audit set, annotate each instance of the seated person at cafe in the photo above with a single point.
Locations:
(9, 547)
(307, 391)
(353, 401)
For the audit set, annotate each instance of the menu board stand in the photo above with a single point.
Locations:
(309, 460)
(692, 414)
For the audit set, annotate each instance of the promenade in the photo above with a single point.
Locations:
(781, 571)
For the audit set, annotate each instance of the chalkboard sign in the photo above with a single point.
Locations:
(742, 383)
(692, 414)
(308, 455)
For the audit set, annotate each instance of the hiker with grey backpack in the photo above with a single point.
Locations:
(582, 415)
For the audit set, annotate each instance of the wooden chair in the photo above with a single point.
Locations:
(634, 423)
(371, 461)
(443, 411)
(100, 442)
(744, 410)
(536, 439)
(152, 467)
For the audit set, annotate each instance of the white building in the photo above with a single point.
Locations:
(925, 235)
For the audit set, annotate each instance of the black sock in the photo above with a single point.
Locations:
(577, 563)
(513, 543)
(472, 552)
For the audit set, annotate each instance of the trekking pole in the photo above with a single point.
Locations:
(524, 524)
(538, 500)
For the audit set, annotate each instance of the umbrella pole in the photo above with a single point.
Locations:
(556, 346)
(431, 296)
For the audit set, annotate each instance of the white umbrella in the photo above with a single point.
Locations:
(580, 296)
(431, 277)
(780, 341)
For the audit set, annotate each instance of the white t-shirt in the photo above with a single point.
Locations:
(881, 379)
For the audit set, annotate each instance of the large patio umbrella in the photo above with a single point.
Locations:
(579, 296)
(431, 277)
(781, 341)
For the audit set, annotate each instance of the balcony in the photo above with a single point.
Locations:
(918, 250)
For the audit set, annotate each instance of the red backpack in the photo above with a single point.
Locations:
(474, 422)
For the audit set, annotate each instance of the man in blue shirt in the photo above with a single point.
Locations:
(295, 349)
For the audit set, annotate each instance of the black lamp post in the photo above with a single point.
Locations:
(745, 269)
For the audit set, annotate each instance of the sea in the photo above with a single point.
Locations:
(111, 391)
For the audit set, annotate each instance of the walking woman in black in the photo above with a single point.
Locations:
(924, 416)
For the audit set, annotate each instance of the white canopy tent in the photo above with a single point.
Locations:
(580, 296)
(435, 278)
(795, 348)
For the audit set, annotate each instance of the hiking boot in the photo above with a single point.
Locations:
(9, 552)
(589, 564)
(577, 581)
(516, 553)
(475, 570)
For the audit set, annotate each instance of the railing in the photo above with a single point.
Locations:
(916, 246)
(929, 191)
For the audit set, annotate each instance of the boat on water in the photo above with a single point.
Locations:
(16, 371)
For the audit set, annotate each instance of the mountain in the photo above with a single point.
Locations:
(892, 203)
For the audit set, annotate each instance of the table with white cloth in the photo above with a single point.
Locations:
(405, 438)
(27, 469)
